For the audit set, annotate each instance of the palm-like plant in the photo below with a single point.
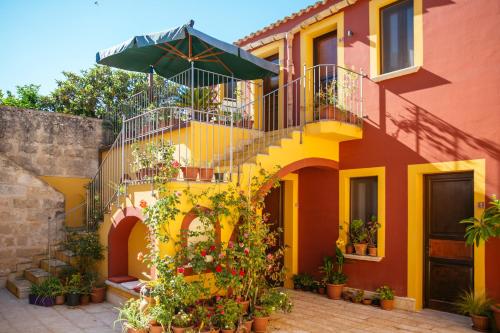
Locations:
(488, 225)
(471, 304)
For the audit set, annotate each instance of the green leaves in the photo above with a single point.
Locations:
(488, 225)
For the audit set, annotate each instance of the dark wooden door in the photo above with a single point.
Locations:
(449, 263)
(271, 105)
(274, 209)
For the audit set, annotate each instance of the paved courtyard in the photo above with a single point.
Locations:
(312, 313)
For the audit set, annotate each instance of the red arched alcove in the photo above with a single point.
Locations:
(118, 236)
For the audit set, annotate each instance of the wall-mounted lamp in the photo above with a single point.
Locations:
(349, 33)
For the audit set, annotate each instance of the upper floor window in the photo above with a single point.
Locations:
(397, 51)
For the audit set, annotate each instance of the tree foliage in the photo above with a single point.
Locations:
(93, 92)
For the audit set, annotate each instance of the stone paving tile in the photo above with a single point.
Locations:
(312, 314)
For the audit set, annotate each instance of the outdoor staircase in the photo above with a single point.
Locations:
(38, 270)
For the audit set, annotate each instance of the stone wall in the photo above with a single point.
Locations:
(34, 144)
(51, 144)
(26, 204)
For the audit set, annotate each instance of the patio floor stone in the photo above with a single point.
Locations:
(311, 314)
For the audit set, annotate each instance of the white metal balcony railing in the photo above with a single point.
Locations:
(216, 123)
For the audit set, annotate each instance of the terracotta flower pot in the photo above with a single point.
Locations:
(496, 314)
(334, 291)
(321, 290)
(227, 331)
(84, 299)
(480, 323)
(372, 251)
(349, 249)
(180, 329)
(244, 305)
(156, 329)
(260, 324)
(247, 327)
(190, 173)
(133, 330)
(206, 174)
(367, 301)
(387, 304)
(59, 299)
(360, 249)
(98, 295)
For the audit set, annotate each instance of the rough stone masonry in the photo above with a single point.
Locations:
(32, 144)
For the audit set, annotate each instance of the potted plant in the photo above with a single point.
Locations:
(161, 316)
(359, 236)
(367, 301)
(261, 319)
(181, 322)
(228, 312)
(358, 296)
(334, 278)
(247, 323)
(488, 225)
(57, 289)
(41, 295)
(270, 301)
(189, 171)
(386, 296)
(73, 290)
(132, 318)
(207, 173)
(321, 287)
(297, 281)
(495, 308)
(86, 290)
(349, 248)
(219, 176)
(98, 293)
(371, 230)
(477, 307)
(307, 282)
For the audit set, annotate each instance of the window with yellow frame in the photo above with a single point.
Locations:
(362, 197)
(395, 38)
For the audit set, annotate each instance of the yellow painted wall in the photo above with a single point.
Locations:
(137, 244)
(295, 148)
(74, 193)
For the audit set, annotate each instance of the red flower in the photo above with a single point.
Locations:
(180, 270)
(269, 256)
(143, 204)
(222, 312)
(230, 244)
(212, 248)
(218, 269)
(233, 272)
(247, 250)
(242, 272)
(175, 164)
(203, 253)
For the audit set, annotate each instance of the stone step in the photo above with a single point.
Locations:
(37, 260)
(19, 287)
(54, 266)
(36, 275)
(67, 256)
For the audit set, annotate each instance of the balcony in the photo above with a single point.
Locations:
(216, 123)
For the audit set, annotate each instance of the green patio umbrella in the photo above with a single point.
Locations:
(174, 51)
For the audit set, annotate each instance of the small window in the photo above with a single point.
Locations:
(397, 36)
(364, 198)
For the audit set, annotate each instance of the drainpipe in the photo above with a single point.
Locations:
(290, 72)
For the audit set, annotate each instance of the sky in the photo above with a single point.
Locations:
(42, 38)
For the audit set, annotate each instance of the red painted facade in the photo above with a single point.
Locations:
(447, 111)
